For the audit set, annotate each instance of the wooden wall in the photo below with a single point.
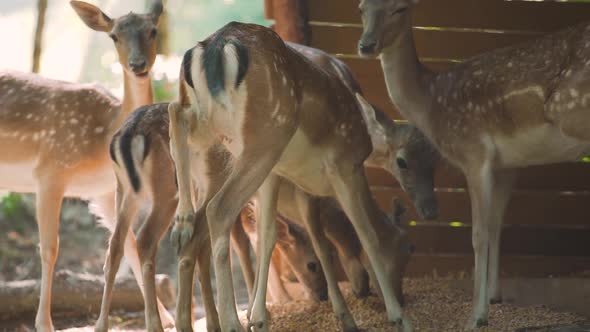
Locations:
(547, 228)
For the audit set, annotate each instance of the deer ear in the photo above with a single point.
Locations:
(284, 235)
(376, 130)
(92, 16)
(156, 10)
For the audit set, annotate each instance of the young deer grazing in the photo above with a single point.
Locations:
(55, 138)
(510, 108)
(280, 116)
(293, 247)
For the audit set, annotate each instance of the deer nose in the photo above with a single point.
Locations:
(367, 48)
(137, 65)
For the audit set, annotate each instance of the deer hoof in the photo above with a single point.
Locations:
(182, 232)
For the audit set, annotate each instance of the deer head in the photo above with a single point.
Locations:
(295, 244)
(134, 35)
(382, 22)
(403, 151)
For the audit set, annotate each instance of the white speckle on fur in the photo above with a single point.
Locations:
(574, 93)
(284, 80)
(98, 130)
(74, 121)
(532, 89)
(29, 116)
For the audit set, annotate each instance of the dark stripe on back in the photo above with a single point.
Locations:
(186, 67)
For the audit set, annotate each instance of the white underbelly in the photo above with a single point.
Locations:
(304, 165)
(92, 184)
(18, 177)
(537, 146)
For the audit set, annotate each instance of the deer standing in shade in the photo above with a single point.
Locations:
(510, 108)
(280, 116)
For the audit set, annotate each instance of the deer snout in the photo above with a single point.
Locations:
(428, 208)
(137, 65)
(367, 47)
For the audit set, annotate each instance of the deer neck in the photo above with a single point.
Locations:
(408, 81)
(138, 92)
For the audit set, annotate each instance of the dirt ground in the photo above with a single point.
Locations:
(431, 304)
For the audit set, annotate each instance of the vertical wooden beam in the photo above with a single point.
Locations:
(290, 19)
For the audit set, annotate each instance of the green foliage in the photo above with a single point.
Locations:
(12, 203)
(164, 90)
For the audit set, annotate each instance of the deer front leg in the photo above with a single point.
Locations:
(481, 186)
(351, 188)
(179, 132)
(49, 198)
(268, 195)
(309, 211)
(504, 181)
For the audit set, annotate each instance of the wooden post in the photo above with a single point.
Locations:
(163, 46)
(290, 19)
(41, 10)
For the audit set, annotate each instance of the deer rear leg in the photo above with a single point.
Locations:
(148, 238)
(204, 275)
(249, 172)
(127, 211)
(180, 120)
(351, 188)
(240, 244)
(105, 208)
(48, 205)
(309, 210)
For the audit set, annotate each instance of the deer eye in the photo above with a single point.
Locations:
(114, 37)
(153, 33)
(401, 163)
(313, 267)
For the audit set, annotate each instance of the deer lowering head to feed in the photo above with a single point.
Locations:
(293, 248)
(280, 116)
(55, 138)
(510, 108)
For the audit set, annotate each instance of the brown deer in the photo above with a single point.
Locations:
(279, 115)
(134, 36)
(147, 127)
(510, 108)
(55, 138)
(293, 248)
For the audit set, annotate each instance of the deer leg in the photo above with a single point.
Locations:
(266, 233)
(351, 188)
(212, 163)
(309, 211)
(500, 198)
(179, 150)
(481, 186)
(127, 211)
(104, 207)
(240, 243)
(148, 238)
(49, 199)
(204, 275)
(348, 249)
(249, 172)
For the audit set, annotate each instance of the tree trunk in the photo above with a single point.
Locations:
(163, 42)
(78, 294)
(41, 10)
